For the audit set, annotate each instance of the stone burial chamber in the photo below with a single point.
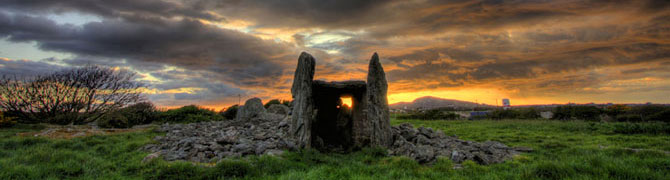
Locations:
(320, 120)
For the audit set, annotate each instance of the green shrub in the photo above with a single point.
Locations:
(271, 102)
(193, 118)
(647, 111)
(504, 114)
(136, 114)
(140, 113)
(529, 113)
(277, 101)
(663, 116)
(628, 118)
(517, 113)
(113, 120)
(66, 118)
(189, 114)
(433, 114)
(230, 112)
(570, 112)
(617, 109)
(6, 121)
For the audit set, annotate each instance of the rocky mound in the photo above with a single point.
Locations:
(207, 141)
(425, 145)
(210, 141)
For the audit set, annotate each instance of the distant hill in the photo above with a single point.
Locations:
(430, 102)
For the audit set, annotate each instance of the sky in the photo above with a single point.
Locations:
(214, 52)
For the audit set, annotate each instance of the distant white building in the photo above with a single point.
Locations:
(506, 104)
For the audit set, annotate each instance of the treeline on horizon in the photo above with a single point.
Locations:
(609, 113)
(142, 113)
(618, 118)
(96, 95)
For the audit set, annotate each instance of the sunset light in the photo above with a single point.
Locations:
(334, 89)
(346, 101)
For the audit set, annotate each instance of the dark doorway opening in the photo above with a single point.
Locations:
(332, 127)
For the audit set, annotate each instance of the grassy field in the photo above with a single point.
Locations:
(563, 150)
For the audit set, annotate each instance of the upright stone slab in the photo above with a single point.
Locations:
(377, 105)
(303, 102)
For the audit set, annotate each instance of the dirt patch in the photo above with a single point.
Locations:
(68, 132)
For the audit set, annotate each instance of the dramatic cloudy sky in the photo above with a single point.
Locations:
(207, 52)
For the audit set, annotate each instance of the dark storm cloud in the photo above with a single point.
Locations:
(131, 9)
(300, 13)
(25, 68)
(176, 79)
(434, 54)
(207, 89)
(665, 67)
(385, 19)
(185, 43)
(564, 61)
(112, 62)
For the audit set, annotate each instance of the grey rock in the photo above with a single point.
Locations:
(457, 157)
(209, 141)
(151, 157)
(243, 149)
(423, 140)
(274, 152)
(252, 108)
(425, 145)
(424, 154)
(428, 132)
(261, 147)
(283, 124)
(407, 131)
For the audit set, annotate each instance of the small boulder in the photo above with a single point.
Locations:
(243, 149)
(274, 152)
(457, 157)
(424, 154)
(151, 156)
(252, 108)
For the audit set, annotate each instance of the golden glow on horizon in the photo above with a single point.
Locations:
(487, 96)
(479, 95)
(188, 90)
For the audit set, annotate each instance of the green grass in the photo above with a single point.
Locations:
(563, 150)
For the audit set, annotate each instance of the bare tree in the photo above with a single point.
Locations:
(84, 94)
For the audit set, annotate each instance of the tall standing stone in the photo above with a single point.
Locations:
(303, 103)
(377, 105)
